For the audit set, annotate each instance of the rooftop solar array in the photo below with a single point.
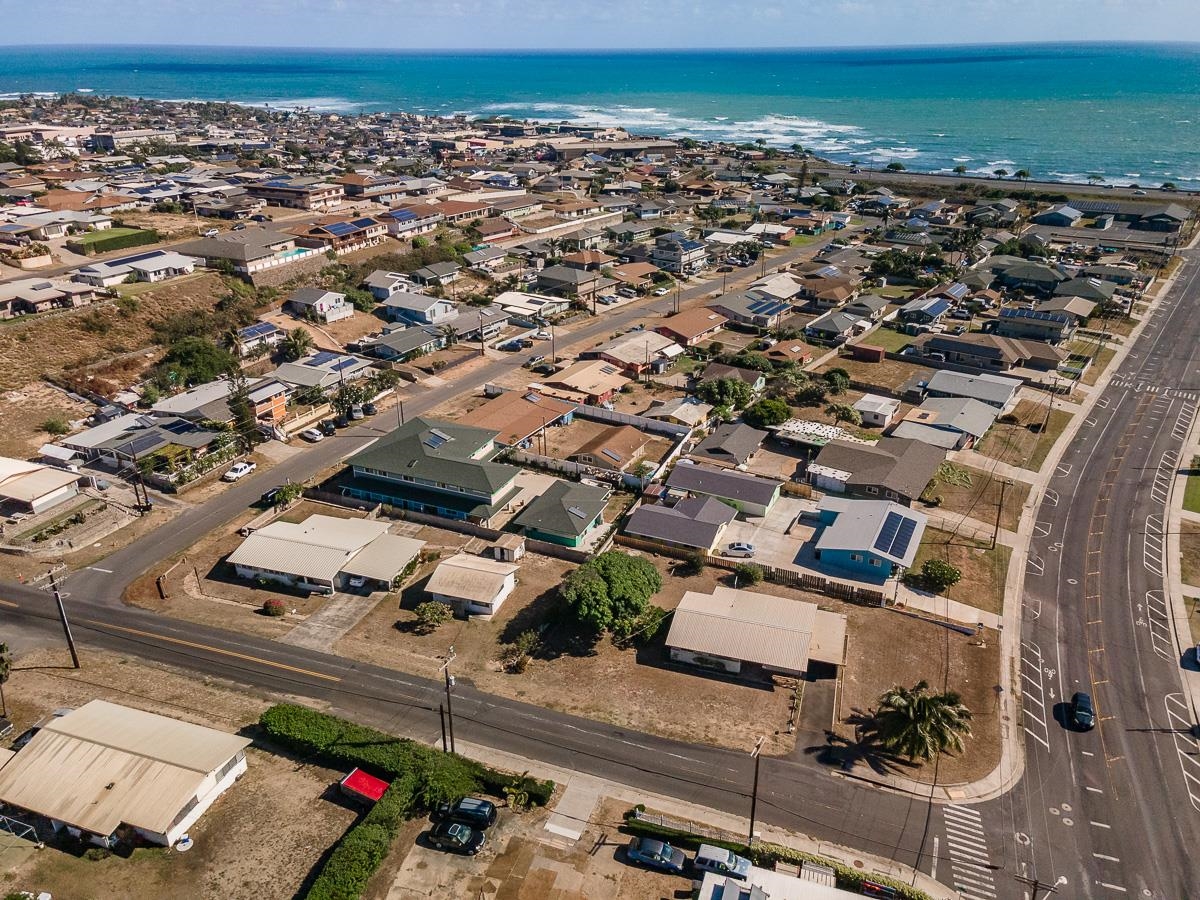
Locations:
(322, 357)
(363, 223)
(340, 229)
(895, 536)
(768, 307)
(577, 512)
(615, 457)
(1036, 314)
(258, 329)
(344, 363)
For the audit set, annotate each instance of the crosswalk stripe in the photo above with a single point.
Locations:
(963, 846)
(965, 829)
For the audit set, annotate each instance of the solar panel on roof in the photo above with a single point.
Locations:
(887, 533)
(615, 457)
(322, 358)
(576, 511)
(340, 229)
(609, 370)
(258, 329)
(534, 398)
(363, 223)
(903, 538)
(434, 440)
(344, 363)
(140, 444)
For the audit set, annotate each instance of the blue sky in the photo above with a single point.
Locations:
(554, 24)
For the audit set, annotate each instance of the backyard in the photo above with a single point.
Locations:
(1028, 441)
(983, 570)
(964, 491)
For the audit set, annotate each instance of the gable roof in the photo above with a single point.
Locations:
(724, 483)
(897, 464)
(515, 415)
(733, 442)
(879, 527)
(438, 451)
(566, 508)
(692, 522)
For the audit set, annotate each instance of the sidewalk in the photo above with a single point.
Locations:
(584, 786)
(977, 460)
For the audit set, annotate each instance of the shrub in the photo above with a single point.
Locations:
(274, 607)
(694, 563)
(749, 573)
(114, 239)
(56, 426)
(938, 575)
(431, 614)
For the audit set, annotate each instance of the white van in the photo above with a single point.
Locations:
(721, 862)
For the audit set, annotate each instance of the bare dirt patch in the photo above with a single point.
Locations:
(888, 375)
(232, 856)
(1027, 442)
(24, 410)
(975, 493)
(329, 335)
(983, 570)
(887, 647)
(568, 674)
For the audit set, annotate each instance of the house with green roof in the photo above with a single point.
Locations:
(564, 513)
(435, 467)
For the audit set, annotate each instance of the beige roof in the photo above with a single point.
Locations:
(594, 376)
(319, 547)
(759, 628)
(515, 415)
(104, 764)
(473, 578)
(385, 557)
(25, 481)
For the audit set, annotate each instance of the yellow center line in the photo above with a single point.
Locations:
(209, 649)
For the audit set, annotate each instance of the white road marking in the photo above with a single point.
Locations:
(1107, 857)
(970, 862)
(1158, 620)
(1033, 690)
(1094, 790)
(1101, 825)
(1186, 747)
(1111, 887)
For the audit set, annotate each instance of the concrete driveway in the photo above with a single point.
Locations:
(773, 545)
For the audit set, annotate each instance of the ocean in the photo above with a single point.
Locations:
(1129, 113)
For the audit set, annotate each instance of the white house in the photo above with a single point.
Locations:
(472, 585)
(104, 766)
(876, 410)
(323, 305)
(33, 488)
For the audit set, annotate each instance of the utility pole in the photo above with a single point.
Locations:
(1036, 885)
(450, 657)
(482, 344)
(1004, 483)
(400, 410)
(756, 753)
(62, 617)
(442, 716)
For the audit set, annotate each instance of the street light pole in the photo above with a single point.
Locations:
(756, 753)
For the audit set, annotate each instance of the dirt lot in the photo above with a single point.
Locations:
(887, 647)
(330, 336)
(891, 374)
(565, 673)
(983, 570)
(34, 346)
(978, 498)
(23, 410)
(521, 862)
(179, 226)
(231, 858)
(1019, 445)
(562, 442)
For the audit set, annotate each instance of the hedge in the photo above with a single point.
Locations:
(102, 242)
(343, 744)
(766, 855)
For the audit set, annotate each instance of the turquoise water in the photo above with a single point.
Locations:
(1130, 113)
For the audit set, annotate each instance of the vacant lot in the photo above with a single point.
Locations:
(889, 339)
(983, 570)
(23, 412)
(887, 647)
(568, 672)
(232, 856)
(53, 343)
(329, 335)
(1026, 443)
(889, 375)
(965, 491)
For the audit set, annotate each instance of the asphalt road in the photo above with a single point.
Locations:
(1114, 811)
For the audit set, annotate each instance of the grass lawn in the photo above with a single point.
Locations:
(1100, 363)
(685, 365)
(1193, 608)
(1189, 551)
(802, 240)
(888, 338)
(1019, 445)
(895, 292)
(978, 497)
(92, 236)
(1191, 494)
(983, 570)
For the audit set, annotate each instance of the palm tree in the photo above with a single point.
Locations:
(960, 170)
(297, 344)
(232, 339)
(1023, 175)
(1001, 173)
(920, 725)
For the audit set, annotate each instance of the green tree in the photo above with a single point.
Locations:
(431, 614)
(938, 575)
(610, 589)
(348, 396)
(837, 381)
(921, 725)
(586, 594)
(242, 409)
(756, 362)
(960, 170)
(56, 426)
(1001, 173)
(361, 300)
(811, 394)
(766, 412)
(296, 344)
(843, 413)
(748, 573)
(895, 167)
(194, 360)
(731, 392)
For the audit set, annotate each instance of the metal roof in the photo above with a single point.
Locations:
(771, 631)
(473, 578)
(104, 764)
(885, 529)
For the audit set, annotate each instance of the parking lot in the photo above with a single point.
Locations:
(523, 861)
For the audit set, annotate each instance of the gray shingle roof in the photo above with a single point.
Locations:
(723, 483)
(565, 508)
(693, 522)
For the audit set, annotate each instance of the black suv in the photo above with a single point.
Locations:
(1083, 714)
(479, 814)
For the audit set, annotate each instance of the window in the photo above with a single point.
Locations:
(871, 489)
(892, 495)
(855, 557)
(874, 562)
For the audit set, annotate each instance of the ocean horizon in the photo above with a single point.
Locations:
(1122, 111)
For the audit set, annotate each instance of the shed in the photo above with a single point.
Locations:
(509, 547)
(361, 786)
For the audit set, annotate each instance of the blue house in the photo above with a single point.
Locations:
(873, 539)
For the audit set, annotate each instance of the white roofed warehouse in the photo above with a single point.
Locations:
(102, 769)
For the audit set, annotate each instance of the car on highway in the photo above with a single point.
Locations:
(312, 435)
(1083, 713)
(656, 854)
(740, 548)
(478, 813)
(455, 837)
(239, 470)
